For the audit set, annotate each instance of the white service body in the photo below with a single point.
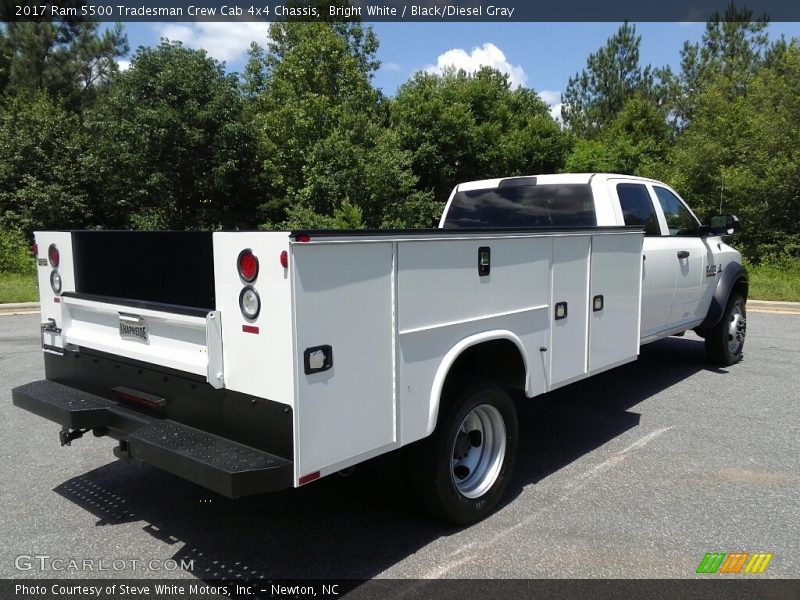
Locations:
(393, 311)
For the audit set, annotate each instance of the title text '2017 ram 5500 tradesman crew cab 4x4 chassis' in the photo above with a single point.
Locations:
(254, 361)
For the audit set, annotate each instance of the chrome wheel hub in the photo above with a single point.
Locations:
(478, 451)
(737, 329)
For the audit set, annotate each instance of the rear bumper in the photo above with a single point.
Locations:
(213, 461)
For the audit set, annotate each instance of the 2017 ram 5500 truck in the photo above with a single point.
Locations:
(254, 361)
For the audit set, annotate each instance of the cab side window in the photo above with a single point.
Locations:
(637, 207)
(679, 220)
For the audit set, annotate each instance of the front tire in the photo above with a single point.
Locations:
(725, 341)
(461, 471)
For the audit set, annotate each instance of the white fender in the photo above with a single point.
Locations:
(455, 352)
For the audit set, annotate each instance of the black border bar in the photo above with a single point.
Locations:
(734, 588)
(498, 11)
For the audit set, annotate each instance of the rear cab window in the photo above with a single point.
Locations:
(539, 205)
(637, 207)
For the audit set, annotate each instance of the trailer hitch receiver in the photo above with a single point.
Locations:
(66, 435)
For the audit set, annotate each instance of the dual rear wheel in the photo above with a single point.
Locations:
(461, 471)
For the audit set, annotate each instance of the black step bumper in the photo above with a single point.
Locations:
(217, 463)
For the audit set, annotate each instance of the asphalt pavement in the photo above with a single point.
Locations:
(638, 472)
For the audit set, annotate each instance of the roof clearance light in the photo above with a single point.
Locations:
(247, 264)
(249, 303)
(53, 255)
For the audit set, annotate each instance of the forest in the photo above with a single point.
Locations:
(303, 138)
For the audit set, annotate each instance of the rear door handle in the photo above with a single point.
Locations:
(683, 254)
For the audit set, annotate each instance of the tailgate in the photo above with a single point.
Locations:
(179, 338)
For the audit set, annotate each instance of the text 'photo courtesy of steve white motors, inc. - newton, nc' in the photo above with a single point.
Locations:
(147, 589)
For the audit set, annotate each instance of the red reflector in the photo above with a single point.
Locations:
(35, 250)
(53, 255)
(303, 238)
(248, 265)
(308, 478)
(137, 400)
(56, 299)
(249, 328)
(285, 259)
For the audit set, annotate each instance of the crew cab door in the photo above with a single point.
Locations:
(659, 261)
(680, 235)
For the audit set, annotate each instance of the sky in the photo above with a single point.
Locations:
(541, 56)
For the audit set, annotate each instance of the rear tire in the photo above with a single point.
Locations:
(461, 471)
(725, 341)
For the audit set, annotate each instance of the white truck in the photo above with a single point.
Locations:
(254, 361)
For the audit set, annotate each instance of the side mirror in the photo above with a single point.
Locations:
(725, 224)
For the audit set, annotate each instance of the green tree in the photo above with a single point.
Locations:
(459, 127)
(323, 125)
(740, 154)
(15, 253)
(595, 96)
(316, 78)
(345, 216)
(43, 166)
(174, 150)
(734, 46)
(636, 142)
(70, 59)
(6, 58)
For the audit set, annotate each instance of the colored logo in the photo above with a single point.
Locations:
(734, 562)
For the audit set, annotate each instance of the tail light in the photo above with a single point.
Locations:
(53, 255)
(55, 282)
(247, 263)
(285, 259)
(249, 303)
(35, 250)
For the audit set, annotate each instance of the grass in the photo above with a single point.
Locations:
(768, 281)
(18, 288)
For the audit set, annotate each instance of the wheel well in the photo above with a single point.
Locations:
(741, 286)
(499, 361)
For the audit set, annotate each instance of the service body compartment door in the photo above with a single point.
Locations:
(343, 301)
(569, 334)
(445, 300)
(614, 299)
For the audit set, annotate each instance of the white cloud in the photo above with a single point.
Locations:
(550, 97)
(555, 111)
(487, 55)
(392, 66)
(553, 99)
(226, 41)
(124, 65)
